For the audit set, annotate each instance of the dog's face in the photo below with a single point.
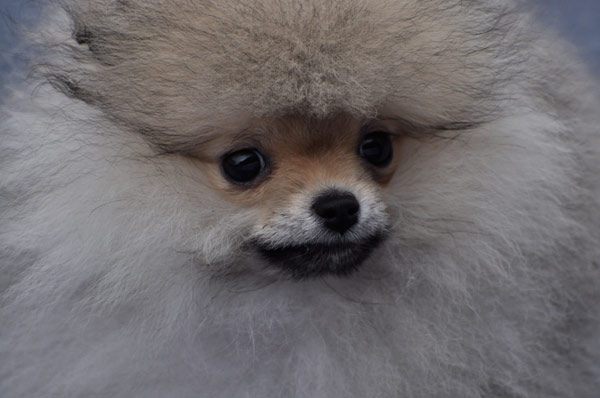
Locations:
(316, 186)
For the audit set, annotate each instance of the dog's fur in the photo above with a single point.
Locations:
(124, 272)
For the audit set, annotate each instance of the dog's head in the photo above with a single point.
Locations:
(296, 122)
(298, 127)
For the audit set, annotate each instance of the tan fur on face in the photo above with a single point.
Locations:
(301, 155)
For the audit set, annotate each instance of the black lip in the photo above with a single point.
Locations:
(315, 260)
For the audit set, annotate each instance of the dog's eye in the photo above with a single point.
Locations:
(243, 166)
(376, 148)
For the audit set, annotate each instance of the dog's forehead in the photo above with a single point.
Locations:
(310, 137)
(293, 133)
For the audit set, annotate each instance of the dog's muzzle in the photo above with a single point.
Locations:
(314, 260)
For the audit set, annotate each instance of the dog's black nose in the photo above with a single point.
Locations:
(338, 211)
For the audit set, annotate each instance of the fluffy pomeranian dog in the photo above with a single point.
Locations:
(316, 198)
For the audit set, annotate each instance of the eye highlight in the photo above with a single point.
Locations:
(376, 148)
(243, 166)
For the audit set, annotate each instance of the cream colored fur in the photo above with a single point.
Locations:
(122, 273)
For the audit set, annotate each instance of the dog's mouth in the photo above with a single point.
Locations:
(314, 260)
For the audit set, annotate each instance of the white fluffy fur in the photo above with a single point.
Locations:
(122, 273)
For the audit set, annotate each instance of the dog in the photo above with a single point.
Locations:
(316, 198)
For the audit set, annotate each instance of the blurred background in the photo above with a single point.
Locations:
(578, 20)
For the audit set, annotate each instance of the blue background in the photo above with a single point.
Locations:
(578, 20)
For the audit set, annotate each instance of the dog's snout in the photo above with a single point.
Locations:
(338, 211)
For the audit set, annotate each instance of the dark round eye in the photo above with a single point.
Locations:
(243, 166)
(376, 148)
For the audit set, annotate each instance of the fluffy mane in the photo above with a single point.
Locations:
(123, 274)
